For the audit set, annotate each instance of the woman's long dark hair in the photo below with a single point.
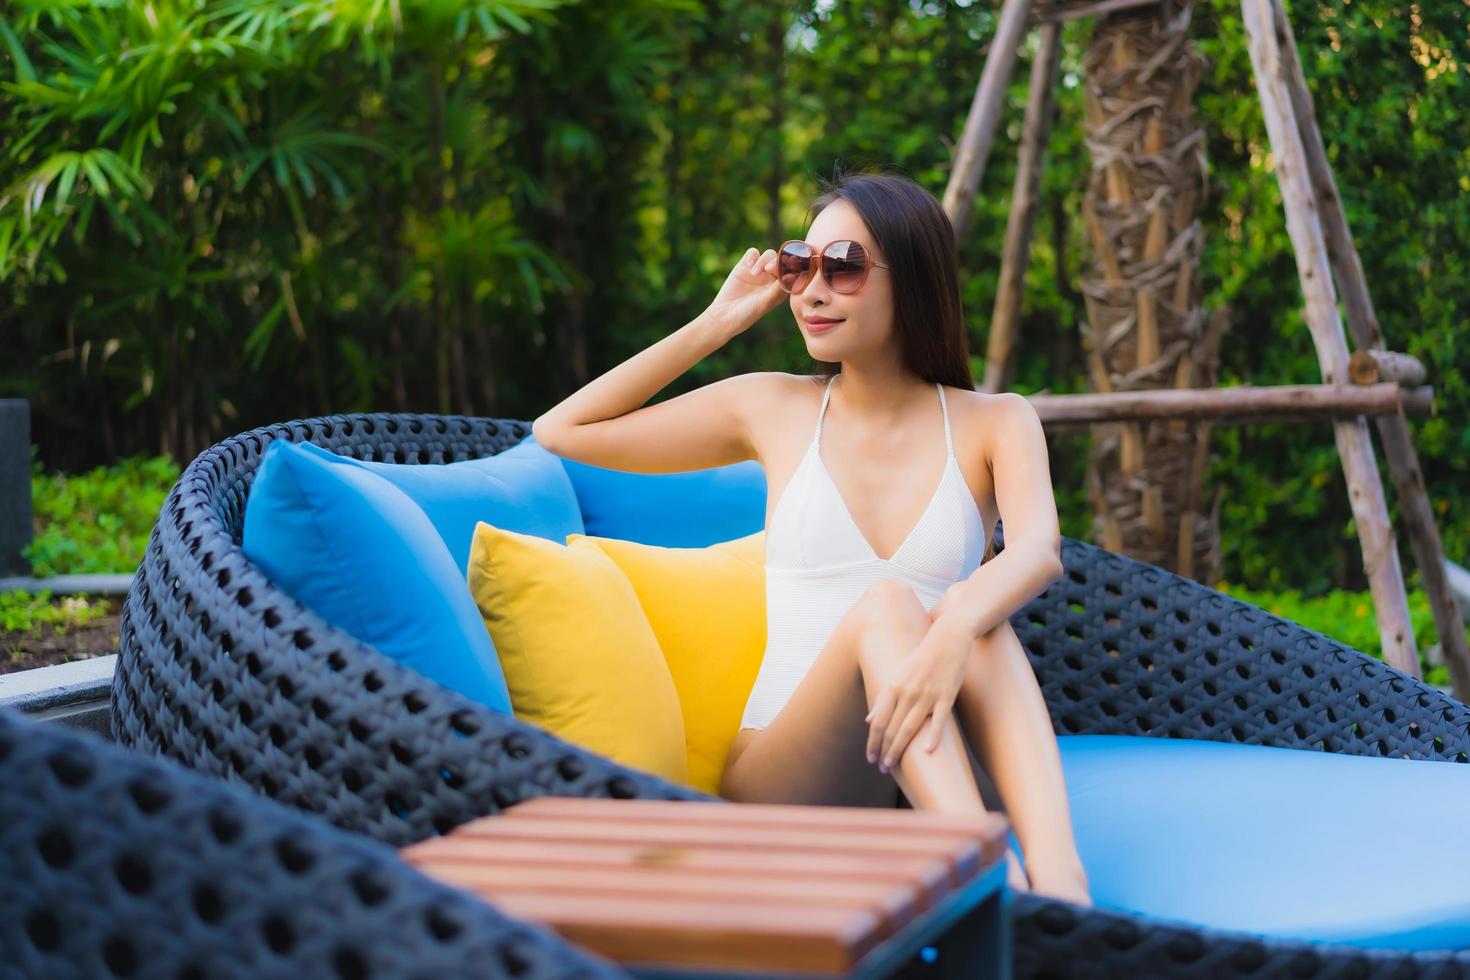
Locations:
(916, 237)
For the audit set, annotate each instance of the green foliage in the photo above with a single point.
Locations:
(26, 612)
(1389, 81)
(97, 521)
(216, 214)
(321, 187)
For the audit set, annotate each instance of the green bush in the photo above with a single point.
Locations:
(97, 521)
(25, 612)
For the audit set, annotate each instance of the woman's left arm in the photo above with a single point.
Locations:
(1032, 558)
(984, 602)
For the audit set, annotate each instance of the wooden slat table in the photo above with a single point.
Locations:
(684, 889)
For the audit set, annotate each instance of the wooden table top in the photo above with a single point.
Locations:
(742, 886)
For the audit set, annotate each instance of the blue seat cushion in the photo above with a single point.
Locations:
(522, 488)
(1286, 843)
(356, 550)
(693, 509)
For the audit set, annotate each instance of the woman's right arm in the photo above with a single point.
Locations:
(605, 423)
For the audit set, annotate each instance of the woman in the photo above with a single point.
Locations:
(888, 451)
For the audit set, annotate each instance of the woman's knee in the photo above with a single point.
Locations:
(892, 599)
(893, 620)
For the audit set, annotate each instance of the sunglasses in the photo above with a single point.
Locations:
(844, 264)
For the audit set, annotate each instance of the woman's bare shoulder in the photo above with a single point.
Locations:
(982, 418)
(779, 388)
(776, 398)
(978, 405)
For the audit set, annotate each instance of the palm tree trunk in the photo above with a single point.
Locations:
(1146, 327)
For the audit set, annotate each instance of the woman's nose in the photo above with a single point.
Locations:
(816, 288)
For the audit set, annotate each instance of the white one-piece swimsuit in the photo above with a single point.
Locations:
(818, 564)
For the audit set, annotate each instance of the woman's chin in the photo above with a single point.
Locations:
(822, 346)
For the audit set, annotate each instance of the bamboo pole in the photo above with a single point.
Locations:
(1365, 490)
(1239, 404)
(1362, 320)
(984, 116)
(1393, 430)
(1025, 195)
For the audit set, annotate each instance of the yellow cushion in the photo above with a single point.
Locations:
(579, 657)
(707, 606)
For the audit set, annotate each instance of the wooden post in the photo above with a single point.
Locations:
(984, 116)
(1071, 10)
(1369, 367)
(1040, 103)
(1365, 491)
(1238, 404)
(1362, 320)
(1393, 430)
(15, 485)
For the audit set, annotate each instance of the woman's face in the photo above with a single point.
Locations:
(866, 316)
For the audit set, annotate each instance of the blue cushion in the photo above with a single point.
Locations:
(1286, 843)
(357, 551)
(692, 509)
(522, 488)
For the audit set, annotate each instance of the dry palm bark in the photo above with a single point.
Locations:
(1146, 327)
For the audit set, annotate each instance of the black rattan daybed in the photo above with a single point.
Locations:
(117, 865)
(224, 672)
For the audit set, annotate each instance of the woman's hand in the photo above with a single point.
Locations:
(750, 291)
(929, 680)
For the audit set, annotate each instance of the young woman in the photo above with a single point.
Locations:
(890, 653)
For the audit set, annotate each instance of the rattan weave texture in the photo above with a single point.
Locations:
(222, 671)
(113, 864)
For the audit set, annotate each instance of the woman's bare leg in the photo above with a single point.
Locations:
(812, 751)
(815, 749)
(1003, 713)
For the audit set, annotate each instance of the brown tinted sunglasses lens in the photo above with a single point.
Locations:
(794, 268)
(844, 264)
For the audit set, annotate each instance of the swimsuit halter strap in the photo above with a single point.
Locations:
(826, 394)
(943, 407)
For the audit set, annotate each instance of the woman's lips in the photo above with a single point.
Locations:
(820, 326)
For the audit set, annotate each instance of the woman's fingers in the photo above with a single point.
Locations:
(761, 264)
(893, 723)
(878, 720)
(936, 725)
(909, 721)
(885, 743)
(911, 718)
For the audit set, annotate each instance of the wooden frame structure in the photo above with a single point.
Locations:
(1372, 382)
